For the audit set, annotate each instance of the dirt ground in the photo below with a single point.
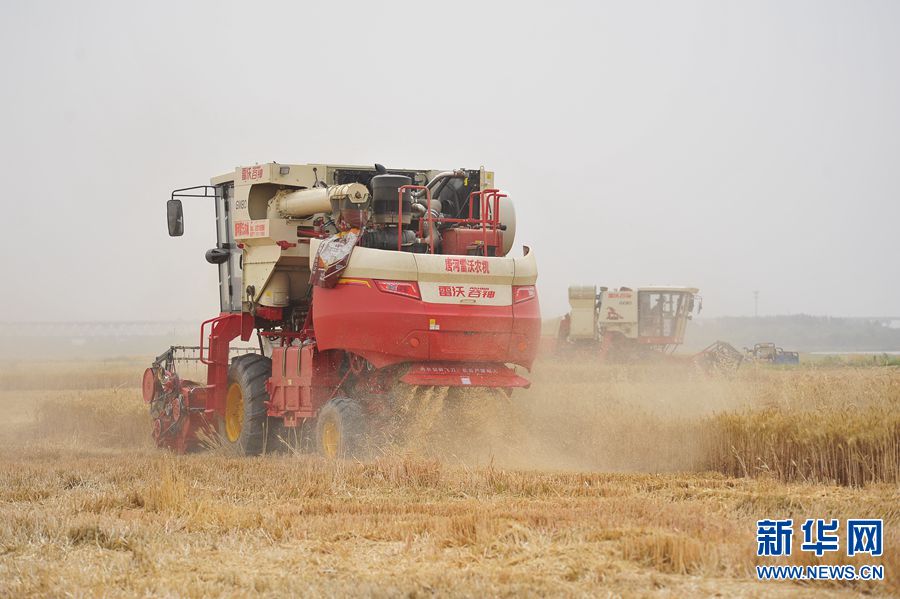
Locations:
(604, 489)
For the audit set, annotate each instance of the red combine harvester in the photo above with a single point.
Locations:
(361, 285)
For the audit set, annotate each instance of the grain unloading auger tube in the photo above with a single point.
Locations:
(368, 291)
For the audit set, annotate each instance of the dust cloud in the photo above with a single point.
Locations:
(577, 415)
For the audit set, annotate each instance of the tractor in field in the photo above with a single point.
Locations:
(769, 352)
(365, 288)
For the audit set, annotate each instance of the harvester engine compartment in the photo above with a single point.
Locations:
(273, 214)
(451, 200)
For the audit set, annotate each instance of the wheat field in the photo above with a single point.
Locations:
(610, 481)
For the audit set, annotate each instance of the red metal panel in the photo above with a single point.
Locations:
(302, 380)
(222, 330)
(468, 346)
(525, 341)
(368, 322)
(284, 383)
(449, 374)
(468, 241)
(294, 382)
(390, 329)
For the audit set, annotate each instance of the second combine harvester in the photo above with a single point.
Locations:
(357, 281)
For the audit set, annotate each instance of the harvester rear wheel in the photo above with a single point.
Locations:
(341, 429)
(243, 425)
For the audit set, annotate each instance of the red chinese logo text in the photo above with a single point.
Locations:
(466, 265)
(249, 173)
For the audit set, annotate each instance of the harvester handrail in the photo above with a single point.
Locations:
(180, 193)
(485, 219)
(487, 222)
(495, 195)
(212, 322)
(471, 203)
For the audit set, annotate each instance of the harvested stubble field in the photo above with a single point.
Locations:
(643, 480)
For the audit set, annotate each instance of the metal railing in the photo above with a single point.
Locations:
(488, 220)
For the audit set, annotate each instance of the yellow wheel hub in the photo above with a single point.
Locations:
(234, 412)
(331, 438)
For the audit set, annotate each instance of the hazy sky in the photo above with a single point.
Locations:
(729, 145)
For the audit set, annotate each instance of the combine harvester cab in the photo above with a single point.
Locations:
(628, 324)
(633, 325)
(363, 287)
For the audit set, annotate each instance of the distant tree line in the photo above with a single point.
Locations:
(798, 332)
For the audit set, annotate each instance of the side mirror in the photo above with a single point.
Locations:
(175, 218)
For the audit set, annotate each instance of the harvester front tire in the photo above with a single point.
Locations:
(243, 427)
(341, 429)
